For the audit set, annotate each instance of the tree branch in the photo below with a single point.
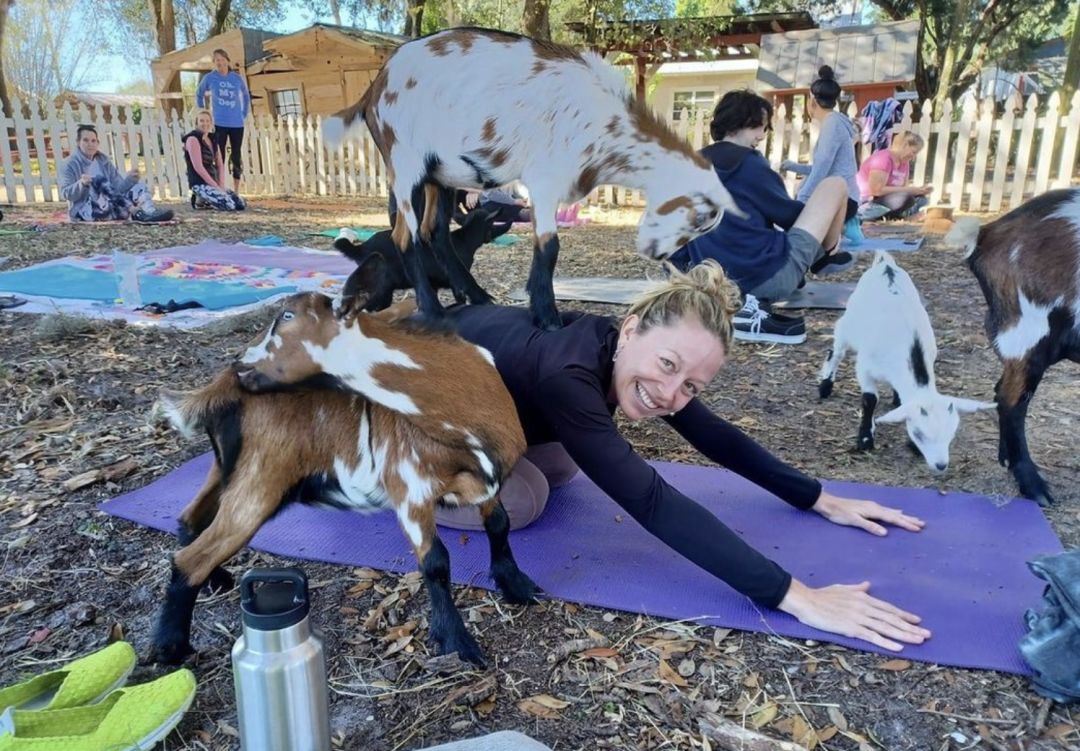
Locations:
(221, 15)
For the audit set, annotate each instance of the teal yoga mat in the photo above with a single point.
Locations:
(71, 282)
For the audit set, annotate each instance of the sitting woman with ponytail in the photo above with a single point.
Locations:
(205, 165)
(567, 385)
(834, 152)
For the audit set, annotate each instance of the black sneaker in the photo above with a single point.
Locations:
(757, 323)
(750, 308)
(152, 217)
(832, 263)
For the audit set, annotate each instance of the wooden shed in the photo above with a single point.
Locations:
(871, 62)
(317, 71)
(243, 45)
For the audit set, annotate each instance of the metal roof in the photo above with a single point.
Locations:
(878, 53)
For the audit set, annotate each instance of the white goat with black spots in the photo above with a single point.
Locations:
(480, 108)
(1028, 265)
(887, 327)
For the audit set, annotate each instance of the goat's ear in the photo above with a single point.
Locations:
(360, 285)
(899, 414)
(971, 405)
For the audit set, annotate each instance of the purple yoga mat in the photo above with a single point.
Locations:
(965, 574)
(277, 257)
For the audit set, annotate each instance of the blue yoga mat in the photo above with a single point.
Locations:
(72, 282)
(965, 574)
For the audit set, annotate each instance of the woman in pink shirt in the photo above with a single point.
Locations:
(883, 181)
(205, 168)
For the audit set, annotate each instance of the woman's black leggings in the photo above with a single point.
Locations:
(235, 138)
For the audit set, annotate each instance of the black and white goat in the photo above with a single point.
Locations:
(436, 424)
(478, 227)
(1028, 265)
(560, 120)
(887, 327)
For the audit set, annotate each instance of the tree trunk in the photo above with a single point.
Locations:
(221, 16)
(414, 18)
(1072, 67)
(536, 19)
(335, 11)
(5, 99)
(949, 69)
(923, 84)
(164, 19)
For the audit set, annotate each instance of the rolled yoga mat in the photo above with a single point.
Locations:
(814, 294)
(965, 574)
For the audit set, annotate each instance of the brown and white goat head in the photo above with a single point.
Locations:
(282, 354)
(693, 204)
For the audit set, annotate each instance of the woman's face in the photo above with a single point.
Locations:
(88, 143)
(221, 63)
(908, 151)
(659, 370)
(204, 123)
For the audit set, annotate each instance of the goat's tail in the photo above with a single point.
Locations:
(347, 243)
(964, 234)
(190, 412)
(348, 124)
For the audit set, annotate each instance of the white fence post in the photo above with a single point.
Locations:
(982, 161)
(1067, 165)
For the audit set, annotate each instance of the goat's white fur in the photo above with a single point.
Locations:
(883, 321)
(552, 124)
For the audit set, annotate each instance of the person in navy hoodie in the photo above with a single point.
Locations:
(230, 104)
(770, 249)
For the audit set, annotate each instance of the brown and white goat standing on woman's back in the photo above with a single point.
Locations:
(407, 445)
(1028, 265)
(480, 108)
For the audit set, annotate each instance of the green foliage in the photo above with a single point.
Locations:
(699, 8)
(132, 29)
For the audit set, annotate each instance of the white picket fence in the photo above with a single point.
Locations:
(976, 159)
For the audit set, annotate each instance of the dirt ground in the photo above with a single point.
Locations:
(75, 430)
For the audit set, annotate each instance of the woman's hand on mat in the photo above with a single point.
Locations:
(849, 610)
(864, 514)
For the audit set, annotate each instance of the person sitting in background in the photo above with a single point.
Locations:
(769, 251)
(509, 203)
(884, 192)
(834, 152)
(96, 191)
(205, 166)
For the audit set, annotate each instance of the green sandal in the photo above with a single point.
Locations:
(85, 681)
(134, 718)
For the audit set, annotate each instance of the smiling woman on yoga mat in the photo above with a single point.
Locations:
(566, 385)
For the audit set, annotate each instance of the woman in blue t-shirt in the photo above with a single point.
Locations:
(230, 103)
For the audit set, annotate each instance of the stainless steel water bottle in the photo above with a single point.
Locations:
(278, 666)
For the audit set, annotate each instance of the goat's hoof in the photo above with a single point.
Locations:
(465, 646)
(169, 653)
(866, 443)
(517, 588)
(481, 298)
(219, 580)
(824, 389)
(547, 322)
(1031, 484)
